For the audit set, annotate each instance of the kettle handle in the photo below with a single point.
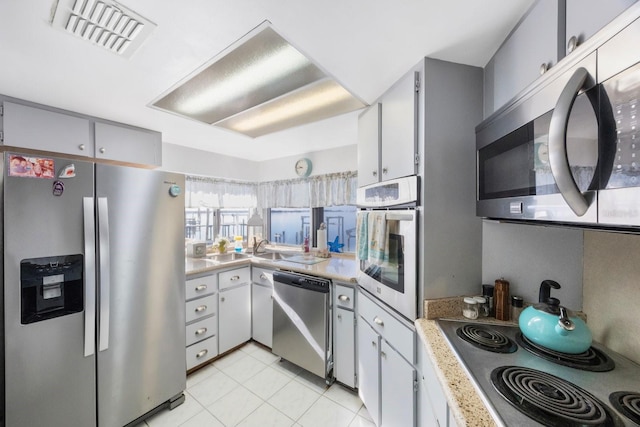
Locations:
(545, 290)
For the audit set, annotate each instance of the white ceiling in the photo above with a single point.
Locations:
(365, 44)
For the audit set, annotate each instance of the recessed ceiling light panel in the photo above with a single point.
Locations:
(105, 23)
(260, 84)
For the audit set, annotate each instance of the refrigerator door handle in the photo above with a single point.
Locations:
(103, 237)
(90, 277)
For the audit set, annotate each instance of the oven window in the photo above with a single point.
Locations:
(390, 272)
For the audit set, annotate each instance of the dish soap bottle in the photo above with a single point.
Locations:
(238, 247)
(305, 247)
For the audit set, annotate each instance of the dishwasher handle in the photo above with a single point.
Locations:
(311, 283)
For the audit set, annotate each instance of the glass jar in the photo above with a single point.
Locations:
(483, 306)
(517, 305)
(470, 308)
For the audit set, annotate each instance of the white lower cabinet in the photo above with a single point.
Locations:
(344, 335)
(262, 314)
(234, 306)
(387, 378)
(369, 370)
(201, 319)
(433, 410)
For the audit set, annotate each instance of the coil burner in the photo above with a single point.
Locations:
(486, 338)
(627, 403)
(550, 400)
(592, 360)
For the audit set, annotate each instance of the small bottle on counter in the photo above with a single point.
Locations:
(305, 246)
(501, 299)
(470, 308)
(517, 305)
(487, 292)
(238, 246)
(483, 306)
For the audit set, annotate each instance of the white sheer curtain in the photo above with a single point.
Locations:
(317, 191)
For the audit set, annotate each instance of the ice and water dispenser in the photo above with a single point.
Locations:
(51, 287)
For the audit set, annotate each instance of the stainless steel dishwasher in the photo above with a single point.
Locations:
(302, 321)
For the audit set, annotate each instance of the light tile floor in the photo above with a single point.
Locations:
(253, 387)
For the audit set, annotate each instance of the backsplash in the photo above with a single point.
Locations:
(612, 290)
(525, 255)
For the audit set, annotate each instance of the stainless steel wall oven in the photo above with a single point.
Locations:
(386, 243)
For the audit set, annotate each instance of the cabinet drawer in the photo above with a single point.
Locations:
(201, 352)
(262, 276)
(201, 307)
(201, 287)
(236, 277)
(392, 330)
(202, 329)
(344, 297)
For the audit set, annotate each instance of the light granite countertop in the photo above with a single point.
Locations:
(462, 396)
(340, 267)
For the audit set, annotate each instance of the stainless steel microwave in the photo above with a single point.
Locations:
(570, 151)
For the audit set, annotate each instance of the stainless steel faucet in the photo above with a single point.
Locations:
(256, 246)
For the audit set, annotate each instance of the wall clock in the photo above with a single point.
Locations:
(303, 167)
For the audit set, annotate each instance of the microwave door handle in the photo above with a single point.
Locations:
(558, 158)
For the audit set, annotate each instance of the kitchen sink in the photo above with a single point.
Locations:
(227, 257)
(273, 256)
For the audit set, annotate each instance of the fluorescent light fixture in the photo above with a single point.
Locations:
(105, 23)
(259, 85)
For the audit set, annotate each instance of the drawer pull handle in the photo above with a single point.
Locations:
(373, 343)
(81, 147)
(222, 299)
(263, 276)
(340, 316)
(201, 308)
(343, 298)
(202, 353)
(383, 354)
(235, 278)
(201, 287)
(378, 321)
(201, 331)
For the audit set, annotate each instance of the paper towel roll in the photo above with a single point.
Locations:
(321, 239)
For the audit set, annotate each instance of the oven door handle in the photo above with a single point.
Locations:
(558, 158)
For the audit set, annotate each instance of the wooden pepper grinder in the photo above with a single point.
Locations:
(501, 299)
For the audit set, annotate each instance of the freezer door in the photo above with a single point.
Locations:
(141, 305)
(47, 378)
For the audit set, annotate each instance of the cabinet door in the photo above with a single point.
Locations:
(398, 390)
(399, 128)
(128, 145)
(262, 314)
(38, 129)
(369, 369)
(369, 145)
(535, 42)
(344, 352)
(234, 316)
(586, 17)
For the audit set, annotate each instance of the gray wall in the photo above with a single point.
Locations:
(526, 255)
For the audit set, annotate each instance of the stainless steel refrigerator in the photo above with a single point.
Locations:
(93, 292)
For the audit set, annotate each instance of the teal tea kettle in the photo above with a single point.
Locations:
(549, 325)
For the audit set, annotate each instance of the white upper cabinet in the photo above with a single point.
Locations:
(388, 133)
(586, 17)
(533, 45)
(39, 129)
(400, 128)
(127, 144)
(369, 145)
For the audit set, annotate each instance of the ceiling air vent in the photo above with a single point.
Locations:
(105, 23)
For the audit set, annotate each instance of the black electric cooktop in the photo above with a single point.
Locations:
(526, 385)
